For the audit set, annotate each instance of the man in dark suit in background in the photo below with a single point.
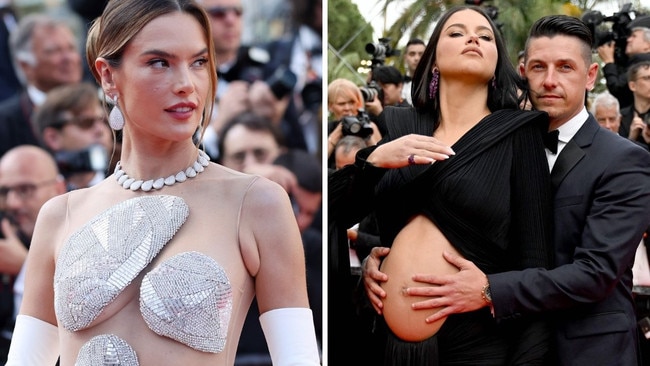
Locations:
(601, 209)
(47, 52)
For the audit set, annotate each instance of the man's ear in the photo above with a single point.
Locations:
(592, 75)
(52, 138)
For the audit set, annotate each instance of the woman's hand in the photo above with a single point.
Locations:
(408, 150)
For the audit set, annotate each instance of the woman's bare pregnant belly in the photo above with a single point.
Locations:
(416, 249)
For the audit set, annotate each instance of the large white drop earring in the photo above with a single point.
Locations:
(115, 118)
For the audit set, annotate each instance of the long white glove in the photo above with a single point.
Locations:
(290, 336)
(34, 343)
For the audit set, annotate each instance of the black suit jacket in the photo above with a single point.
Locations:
(602, 208)
(15, 125)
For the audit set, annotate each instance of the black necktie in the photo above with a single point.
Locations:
(550, 140)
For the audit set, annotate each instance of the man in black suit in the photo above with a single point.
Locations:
(601, 209)
(47, 53)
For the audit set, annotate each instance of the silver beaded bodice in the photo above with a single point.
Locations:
(106, 350)
(187, 298)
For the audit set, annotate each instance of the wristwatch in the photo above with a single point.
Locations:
(486, 294)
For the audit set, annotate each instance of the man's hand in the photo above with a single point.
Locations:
(232, 103)
(374, 106)
(606, 52)
(12, 251)
(264, 103)
(372, 277)
(636, 127)
(457, 293)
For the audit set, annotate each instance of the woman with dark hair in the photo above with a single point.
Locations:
(464, 172)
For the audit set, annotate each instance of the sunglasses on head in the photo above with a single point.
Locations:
(221, 12)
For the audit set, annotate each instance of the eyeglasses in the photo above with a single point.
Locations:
(85, 123)
(644, 78)
(24, 191)
(220, 12)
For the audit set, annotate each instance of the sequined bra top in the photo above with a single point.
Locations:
(187, 298)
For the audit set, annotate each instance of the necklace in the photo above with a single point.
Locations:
(147, 185)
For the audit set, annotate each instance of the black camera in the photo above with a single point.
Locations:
(252, 66)
(92, 159)
(380, 51)
(358, 125)
(371, 91)
(312, 95)
(282, 82)
(617, 32)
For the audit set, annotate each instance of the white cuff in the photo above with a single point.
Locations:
(34, 343)
(290, 336)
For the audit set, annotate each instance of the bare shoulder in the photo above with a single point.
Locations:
(54, 208)
(256, 191)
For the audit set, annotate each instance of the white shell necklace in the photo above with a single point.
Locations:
(147, 185)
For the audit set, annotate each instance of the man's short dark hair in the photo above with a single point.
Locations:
(633, 71)
(562, 25)
(250, 121)
(413, 41)
(387, 75)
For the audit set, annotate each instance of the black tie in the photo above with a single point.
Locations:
(550, 140)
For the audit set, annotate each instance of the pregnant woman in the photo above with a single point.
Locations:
(465, 172)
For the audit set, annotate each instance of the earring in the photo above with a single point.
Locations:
(433, 85)
(494, 82)
(115, 118)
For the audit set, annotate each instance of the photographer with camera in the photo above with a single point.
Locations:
(388, 81)
(345, 101)
(256, 78)
(636, 49)
(71, 124)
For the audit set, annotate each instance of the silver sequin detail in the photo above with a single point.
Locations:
(106, 350)
(105, 255)
(188, 298)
